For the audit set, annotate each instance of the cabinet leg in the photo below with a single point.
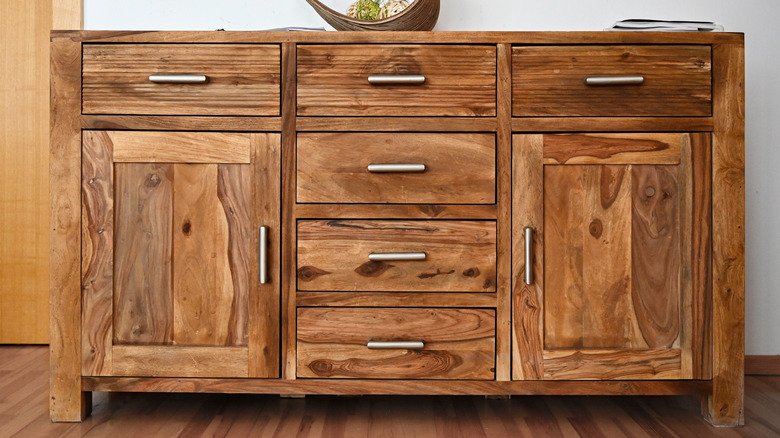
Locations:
(70, 409)
(724, 404)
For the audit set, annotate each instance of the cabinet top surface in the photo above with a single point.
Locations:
(400, 37)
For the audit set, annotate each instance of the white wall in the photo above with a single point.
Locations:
(757, 18)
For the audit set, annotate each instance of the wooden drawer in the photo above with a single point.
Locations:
(549, 81)
(334, 80)
(460, 256)
(456, 343)
(241, 79)
(336, 167)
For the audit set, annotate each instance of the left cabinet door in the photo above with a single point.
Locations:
(170, 254)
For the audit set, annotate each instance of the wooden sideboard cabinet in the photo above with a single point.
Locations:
(487, 213)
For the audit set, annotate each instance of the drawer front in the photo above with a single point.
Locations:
(448, 168)
(334, 80)
(450, 343)
(240, 79)
(549, 81)
(335, 255)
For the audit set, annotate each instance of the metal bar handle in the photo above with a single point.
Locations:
(263, 244)
(409, 345)
(179, 79)
(396, 79)
(614, 80)
(396, 168)
(529, 272)
(396, 256)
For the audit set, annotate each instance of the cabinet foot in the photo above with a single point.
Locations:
(292, 395)
(71, 411)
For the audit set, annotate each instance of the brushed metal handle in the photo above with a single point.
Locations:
(396, 256)
(614, 80)
(179, 79)
(396, 79)
(529, 272)
(263, 249)
(396, 168)
(410, 345)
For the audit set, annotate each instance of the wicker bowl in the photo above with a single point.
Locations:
(419, 15)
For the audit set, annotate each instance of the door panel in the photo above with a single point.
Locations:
(613, 238)
(170, 256)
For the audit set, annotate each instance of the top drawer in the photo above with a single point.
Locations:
(458, 80)
(550, 81)
(240, 79)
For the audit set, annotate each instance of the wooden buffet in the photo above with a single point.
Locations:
(487, 213)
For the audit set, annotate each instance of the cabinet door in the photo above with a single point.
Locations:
(619, 256)
(170, 254)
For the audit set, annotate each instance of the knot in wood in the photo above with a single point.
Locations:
(596, 228)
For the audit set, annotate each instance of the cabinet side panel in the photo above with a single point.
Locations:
(97, 251)
(725, 406)
(143, 295)
(67, 402)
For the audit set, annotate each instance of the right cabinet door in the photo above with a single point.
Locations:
(615, 232)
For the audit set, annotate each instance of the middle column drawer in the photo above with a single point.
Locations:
(396, 256)
(396, 168)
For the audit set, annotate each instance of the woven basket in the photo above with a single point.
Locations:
(419, 15)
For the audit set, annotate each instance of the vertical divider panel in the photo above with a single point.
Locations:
(504, 201)
(289, 85)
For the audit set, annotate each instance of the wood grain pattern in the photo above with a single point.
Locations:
(395, 387)
(142, 288)
(179, 147)
(623, 148)
(24, 183)
(726, 403)
(67, 402)
(289, 120)
(460, 256)
(462, 37)
(397, 211)
(504, 222)
(460, 80)
(242, 79)
(398, 124)
(548, 81)
(332, 167)
(617, 124)
(210, 289)
(97, 255)
(701, 256)
(612, 364)
(459, 343)
(264, 299)
(395, 299)
(181, 123)
(656, 250)
(527, 299)
(175, 361)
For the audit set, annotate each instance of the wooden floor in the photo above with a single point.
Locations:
(24, 413)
